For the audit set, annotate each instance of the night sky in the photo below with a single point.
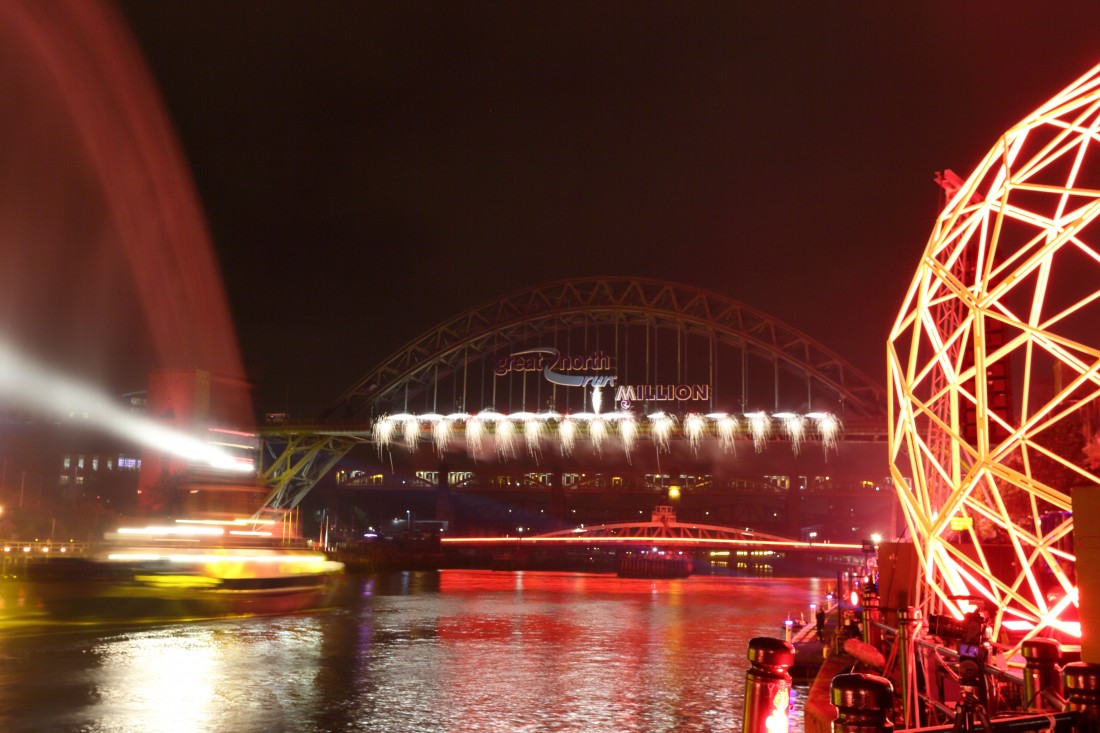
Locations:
(371, 169)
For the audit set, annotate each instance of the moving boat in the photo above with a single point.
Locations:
(182, 570)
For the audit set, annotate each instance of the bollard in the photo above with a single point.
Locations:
(864, 703)
(909, 620)
(768, 686)
(1082, 686)
(872, 634)
(1041, 674)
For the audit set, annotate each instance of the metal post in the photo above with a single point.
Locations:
(909, 620)
(872, 634)
(1041, 674)
(863, 702)
(768, 686)
(1082, 685)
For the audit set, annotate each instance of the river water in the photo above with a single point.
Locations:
(447, 651)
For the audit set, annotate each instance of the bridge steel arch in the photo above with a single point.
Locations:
(539, 312)
(545, 309)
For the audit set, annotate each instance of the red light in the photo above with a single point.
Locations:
(855, 598)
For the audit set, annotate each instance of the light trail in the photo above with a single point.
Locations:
(29, 384)
(694, 427)
(628, 432)
(661, 541)
(662, 429)
(727, 427)
(567, 434)
(760, 426)
(795, 427)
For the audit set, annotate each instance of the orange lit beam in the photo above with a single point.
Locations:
(641, 540)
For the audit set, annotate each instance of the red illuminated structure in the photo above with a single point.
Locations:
(995, 375)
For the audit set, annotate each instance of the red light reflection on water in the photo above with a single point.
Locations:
(544, 649)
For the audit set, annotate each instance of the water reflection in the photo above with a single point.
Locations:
(448, 651)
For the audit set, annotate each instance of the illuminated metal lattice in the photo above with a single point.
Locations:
(995, 370)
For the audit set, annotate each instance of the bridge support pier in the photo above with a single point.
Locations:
(444, 502)
(557, 499)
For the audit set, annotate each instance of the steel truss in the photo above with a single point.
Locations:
(547, 309)
(544, 310)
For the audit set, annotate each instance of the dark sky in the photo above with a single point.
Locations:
(370, 169)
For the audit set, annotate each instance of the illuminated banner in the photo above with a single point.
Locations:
(561, 369)
(663, 393)
(551, 363)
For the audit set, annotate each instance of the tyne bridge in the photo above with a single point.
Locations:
(590, 402)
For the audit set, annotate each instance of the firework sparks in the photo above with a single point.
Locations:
(597, 400)
(726, 426)
(795, 427)
(694, 428)
(532, 433)
(441, 434)
(567, 434)
(410, 428)
(760, 425)
(628, 431)
(597, 431)
(661, 424)
(506, 439)
(383, 433)
(828, 428)
(475, 434)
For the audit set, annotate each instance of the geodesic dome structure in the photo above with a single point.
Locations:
(995, 372)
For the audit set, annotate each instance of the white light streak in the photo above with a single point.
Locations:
(532, 434)
(794, 425)
(567, 436)
(628, 431)
(760, 426)
(694, 428)
(597, 400)
(661, 425)
(828, 428)
(410, 429)
(383, 433)
(162, 531)
(31, 384)
(506, 439)
(726, 427)
(475, 433)
(441, 435)
(597, 432)
(536, 426)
